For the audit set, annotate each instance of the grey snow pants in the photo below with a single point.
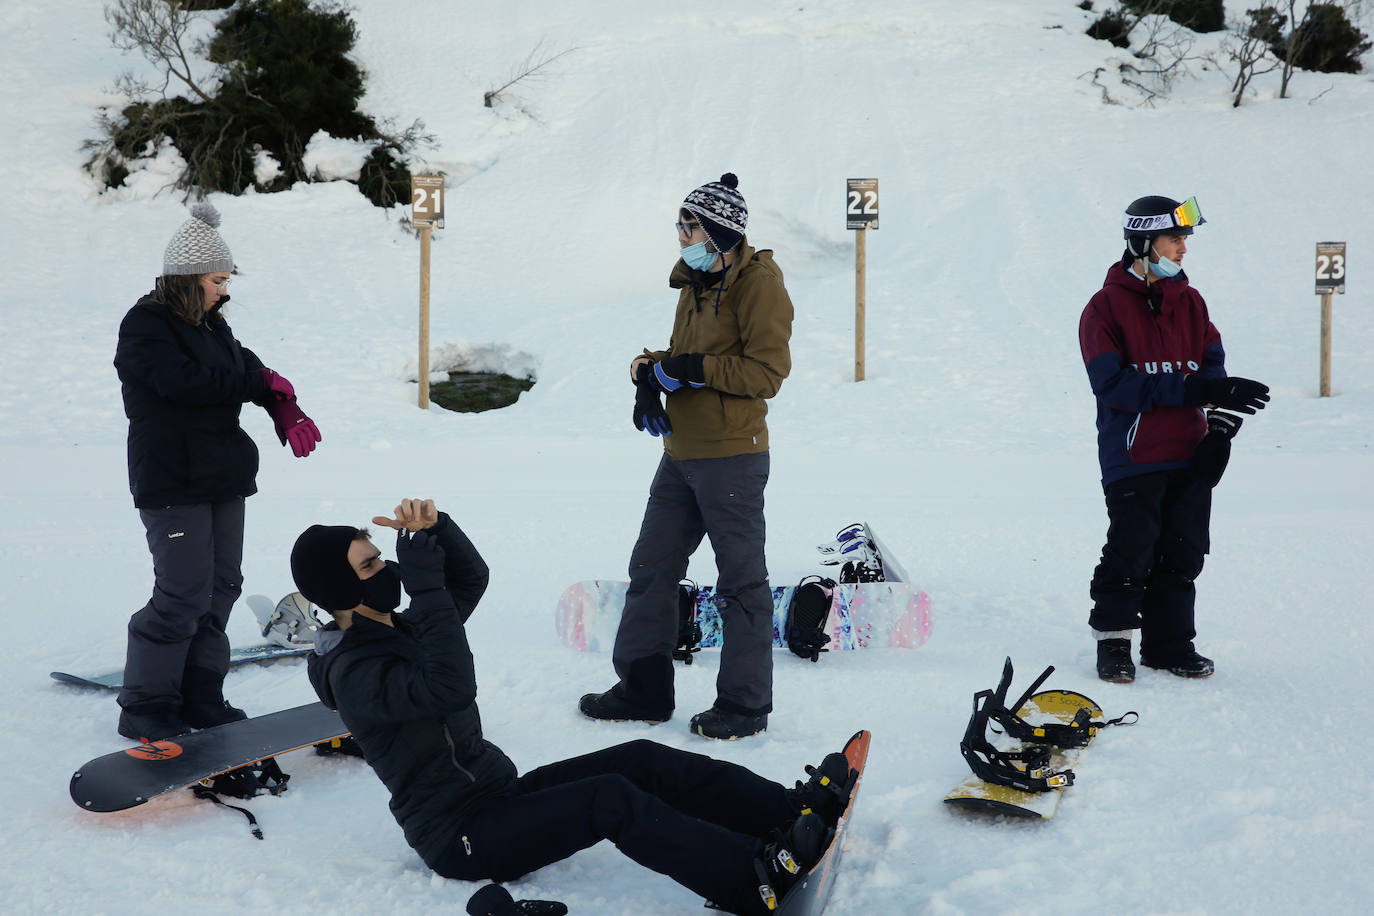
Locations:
(197, 554)
(719, 498)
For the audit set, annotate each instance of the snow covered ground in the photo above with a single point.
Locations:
(969, 446)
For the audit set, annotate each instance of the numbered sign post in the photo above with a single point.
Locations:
(427, 214)
(861, 214)
(1330, 279)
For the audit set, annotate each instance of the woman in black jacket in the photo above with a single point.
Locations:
(184, 379)
(405, 686)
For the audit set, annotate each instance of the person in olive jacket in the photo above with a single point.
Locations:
(405, 685)
(727, 355)
(184, 379)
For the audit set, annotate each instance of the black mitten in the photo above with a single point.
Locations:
(1214, 451)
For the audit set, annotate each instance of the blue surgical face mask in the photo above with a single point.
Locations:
(697, 257)
(1164, 268)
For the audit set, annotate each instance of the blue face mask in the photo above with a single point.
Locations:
(1164, 268)
(697, 257)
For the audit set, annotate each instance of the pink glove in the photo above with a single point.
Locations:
(277, 385)
(294, 426)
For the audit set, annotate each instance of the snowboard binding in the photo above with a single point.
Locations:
(688, 629)
(1027, 769)
(806, 616)
(291, 624)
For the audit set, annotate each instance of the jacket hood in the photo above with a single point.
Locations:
(327, 639)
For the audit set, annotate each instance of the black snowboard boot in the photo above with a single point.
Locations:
(612, 706)
(1114, 661)
(1185, 664)
(787, 857)
(727, 726)
(202, 700)
(151, 724)
(827, 791)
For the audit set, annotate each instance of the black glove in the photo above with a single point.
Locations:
(672, 373)
(421, 560)
(495, 900)
(1214, 451)
(1231, 393)
(648, 413)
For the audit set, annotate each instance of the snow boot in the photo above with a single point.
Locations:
(151, 724)
(787, 857)
(612, 706)
(202, 700)
(1185, 664)
(1114, 661)
(727, 726)
(827, 791)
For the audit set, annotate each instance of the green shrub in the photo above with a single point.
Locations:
(283, 74)
(1326, 41)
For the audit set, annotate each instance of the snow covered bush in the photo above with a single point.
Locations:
(279, 74)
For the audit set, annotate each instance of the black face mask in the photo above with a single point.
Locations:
(382, 591)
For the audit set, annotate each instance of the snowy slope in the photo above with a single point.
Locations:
(969, 446)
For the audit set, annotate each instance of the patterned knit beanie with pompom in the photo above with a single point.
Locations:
(196, 247)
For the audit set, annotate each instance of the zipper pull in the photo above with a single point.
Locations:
(467, 847)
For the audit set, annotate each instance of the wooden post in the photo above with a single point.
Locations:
(859, 269)
(425, 231)
(1326, 345)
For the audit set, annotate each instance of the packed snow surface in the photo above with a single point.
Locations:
(970, 446)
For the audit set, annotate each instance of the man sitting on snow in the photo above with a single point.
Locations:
(405, 686)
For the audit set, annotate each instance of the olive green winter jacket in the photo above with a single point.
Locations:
(742, 324)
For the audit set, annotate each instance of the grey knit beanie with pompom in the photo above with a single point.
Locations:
(196, 247)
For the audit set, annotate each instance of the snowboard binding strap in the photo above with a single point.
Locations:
(1028, 769)
(1077, 733)
(244, 782)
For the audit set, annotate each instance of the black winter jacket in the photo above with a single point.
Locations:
(408, 696)
(183, 388)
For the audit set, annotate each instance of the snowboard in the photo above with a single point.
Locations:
(131, 777)
(809, 895)
(113, 678)
(1047, 706)
(861, 615)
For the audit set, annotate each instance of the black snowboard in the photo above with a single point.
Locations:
(127, 778)
(809, 895)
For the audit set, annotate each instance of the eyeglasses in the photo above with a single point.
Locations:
(687, 228)
(223, 284)
(1188, 213)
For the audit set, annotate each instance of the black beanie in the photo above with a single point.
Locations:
(721, 210)
(319, 564)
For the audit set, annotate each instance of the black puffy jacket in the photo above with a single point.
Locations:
(408, 695)
(183, 388)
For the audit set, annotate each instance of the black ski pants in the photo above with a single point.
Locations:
(197, 558)
(719, 498)
(1157, 537)
(698, 820)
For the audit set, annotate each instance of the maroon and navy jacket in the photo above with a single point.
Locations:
(1138, 342)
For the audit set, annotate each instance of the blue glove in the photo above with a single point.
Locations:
(649, 415)
(672, 373)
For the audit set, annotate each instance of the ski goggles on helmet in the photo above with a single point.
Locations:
(1185, 216)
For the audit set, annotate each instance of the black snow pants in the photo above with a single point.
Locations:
(697, 820)
(1157, 537)
(719, 498)
(177, 644)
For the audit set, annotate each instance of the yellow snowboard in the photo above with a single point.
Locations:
(1047, 706)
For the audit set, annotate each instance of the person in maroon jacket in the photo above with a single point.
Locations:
(1154, 361)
